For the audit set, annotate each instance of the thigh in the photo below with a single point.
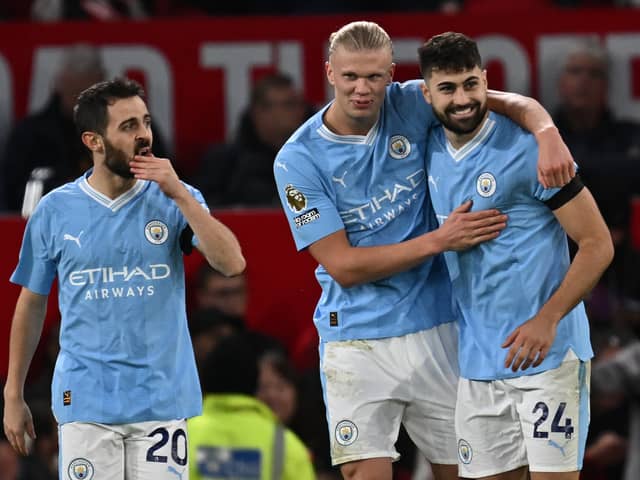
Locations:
(364, 401)
(90, 451)
(157, 450)
(429, 417)
(555, 417)
(488, 429)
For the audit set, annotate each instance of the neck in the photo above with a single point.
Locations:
(108, 183)
(459, 140)
(341, 124)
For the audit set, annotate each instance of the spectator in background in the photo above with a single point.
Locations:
(45, 146)
(225, 294)
(297, 402)
(619, 376)
(102, 10)
(241, 172)
(237, 435)
(606, 149)
(207, 327)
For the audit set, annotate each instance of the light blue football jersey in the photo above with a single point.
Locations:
(125, 351)
(500, 284)
(374, 187)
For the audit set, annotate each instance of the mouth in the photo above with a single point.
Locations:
(360, 103)
(144, 151)
(462, 113)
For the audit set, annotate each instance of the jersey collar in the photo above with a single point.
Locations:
(474, 143)
(118, 202)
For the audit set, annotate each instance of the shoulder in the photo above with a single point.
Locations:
(509, 133)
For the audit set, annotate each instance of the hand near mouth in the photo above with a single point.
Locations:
(147, 167)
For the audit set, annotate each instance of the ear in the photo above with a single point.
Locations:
(93, 142)
(392, 70)
(329, 71)
(426, 93)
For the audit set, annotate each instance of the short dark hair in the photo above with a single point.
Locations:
(448, 52)
(90, 112)
(269, 82)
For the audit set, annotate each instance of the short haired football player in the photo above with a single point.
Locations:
(388, 342)
(125, 379)
(524, 345)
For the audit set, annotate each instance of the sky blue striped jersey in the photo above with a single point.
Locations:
(374, 187)
(500, 284)
(125, 352)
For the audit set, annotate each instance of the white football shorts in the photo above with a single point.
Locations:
(134, 451)
(372, 386)
(538, 420)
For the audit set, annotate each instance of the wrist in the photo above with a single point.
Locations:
(545, 131)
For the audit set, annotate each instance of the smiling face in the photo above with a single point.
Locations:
(459, 99)
(359, 79)
(128, 133)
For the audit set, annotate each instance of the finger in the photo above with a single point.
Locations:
(533, 354)
(541, 356)
(511, 355)
(509, 340)
(465, 207)
(482, 238)
(542, 178)
(519, 359)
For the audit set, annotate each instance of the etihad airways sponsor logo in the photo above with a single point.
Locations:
(105, 275)
(388, 204)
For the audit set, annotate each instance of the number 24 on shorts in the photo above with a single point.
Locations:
(542, 407)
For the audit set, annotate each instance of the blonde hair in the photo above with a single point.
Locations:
(361, 35)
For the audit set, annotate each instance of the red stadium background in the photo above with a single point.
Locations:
(198, 73)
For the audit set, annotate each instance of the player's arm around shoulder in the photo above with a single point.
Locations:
(555, 163)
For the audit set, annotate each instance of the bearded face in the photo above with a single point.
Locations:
(117, 160)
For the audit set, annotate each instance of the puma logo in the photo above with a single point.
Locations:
(170, 469)
(282, 166)
(558, 446)
(70, 237)
(340, 180)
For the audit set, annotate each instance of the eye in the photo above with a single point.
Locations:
(350, 76)
(471, 84)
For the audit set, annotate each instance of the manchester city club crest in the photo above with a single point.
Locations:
(346, 432)
(486, 185)
(399, 147)
(80, 469)
(156, 232)
(464, 451)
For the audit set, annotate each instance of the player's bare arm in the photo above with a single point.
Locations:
(555, 163)
(26, 329)
(216, 242)
(529, 343)
(351, 266)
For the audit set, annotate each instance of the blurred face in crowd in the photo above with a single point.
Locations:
(277, 392)
(128, 133)
(278, 115)
(459, 99)
(359, 79)
(583, 83)
(226, 294)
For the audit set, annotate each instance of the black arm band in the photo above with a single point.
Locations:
(566, 193)
(185, 240)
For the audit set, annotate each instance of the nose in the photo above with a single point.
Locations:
(460, 97)
(362, 86)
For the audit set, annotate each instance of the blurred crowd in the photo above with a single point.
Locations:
(106, 10)
(239, 173)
